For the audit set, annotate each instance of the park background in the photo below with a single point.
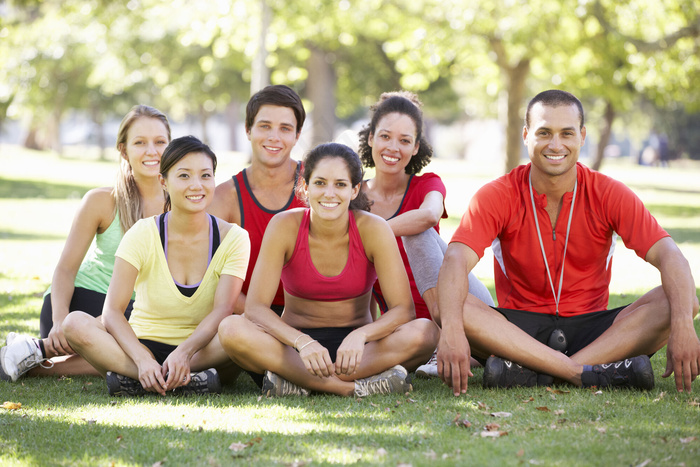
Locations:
(69, 70)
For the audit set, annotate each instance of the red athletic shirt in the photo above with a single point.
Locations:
(416, 191)
(501, 212)
(301, 278)
(254, 219)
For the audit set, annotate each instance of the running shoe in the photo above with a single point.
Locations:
(428, 369)
(275, 386)
(395, 380)
(500, 373)
(634, 373)
(21, 354)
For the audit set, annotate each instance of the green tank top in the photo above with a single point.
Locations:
(96, 269)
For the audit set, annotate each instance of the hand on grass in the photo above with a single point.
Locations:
(349, 354)
(453, 361)
(683, 358)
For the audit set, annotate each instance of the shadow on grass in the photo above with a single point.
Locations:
(37, 189)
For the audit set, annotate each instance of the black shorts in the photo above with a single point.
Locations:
(330, 338)
(159, 350)
(579, 330)
(85, 300)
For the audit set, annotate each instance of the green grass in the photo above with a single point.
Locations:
(72, 421)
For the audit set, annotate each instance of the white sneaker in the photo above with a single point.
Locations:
(429, 369)
(18, 357)
(10, 337)
(394, 380)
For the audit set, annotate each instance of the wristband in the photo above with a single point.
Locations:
(311, 341)
(296, 340)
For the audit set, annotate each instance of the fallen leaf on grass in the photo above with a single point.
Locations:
(543, 409)
(598, 393)
(11, 405)
(159, 463)
(558, 412)
(644, 464)
(461, 422)
(557, 391)
(689, 440)
(501, 414)
(520, 453)
(602, 430)
(694, 403)
(661, 396)
(528, 400)
(493, 434)
(237, 447)
(482, 406)
(492, 427)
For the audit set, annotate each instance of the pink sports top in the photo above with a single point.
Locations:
(301, 279)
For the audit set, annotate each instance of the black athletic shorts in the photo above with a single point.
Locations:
(85, 300)
(159, 350)
(330, 338)
(579, 330)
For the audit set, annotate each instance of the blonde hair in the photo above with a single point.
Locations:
(126, 193)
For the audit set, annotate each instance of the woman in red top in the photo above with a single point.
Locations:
(328, 257)
(393, 143)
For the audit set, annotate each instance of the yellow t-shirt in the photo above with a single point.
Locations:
(161, 313)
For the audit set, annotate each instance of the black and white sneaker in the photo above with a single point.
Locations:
(275, 386)
(201, 382)
(500, 373)
(120, 385)
(634, 373)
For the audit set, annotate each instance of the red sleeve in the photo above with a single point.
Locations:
(631, 220)
(421, 185)
(485, 217)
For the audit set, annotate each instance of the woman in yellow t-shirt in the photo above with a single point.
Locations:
(187, 268)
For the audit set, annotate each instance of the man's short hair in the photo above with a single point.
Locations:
(554, 98)
(279, 95)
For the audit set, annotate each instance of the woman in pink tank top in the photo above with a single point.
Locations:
(328, 256)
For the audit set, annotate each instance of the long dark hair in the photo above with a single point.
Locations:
(176, 150)
(352, 161)
(405, 103)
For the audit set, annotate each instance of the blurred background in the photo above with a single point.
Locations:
(69, 70)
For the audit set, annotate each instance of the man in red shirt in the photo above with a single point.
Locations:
(274, 117)
(552, 225)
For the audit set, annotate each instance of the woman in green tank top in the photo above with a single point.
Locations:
(81, 278)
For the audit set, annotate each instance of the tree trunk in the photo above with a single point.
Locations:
(231, 115)
(203, 119)
(260, 73)
(514, 126)
(321, 92)
(98, 123)
(605, 132)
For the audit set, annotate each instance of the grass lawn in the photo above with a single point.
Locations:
(72, 421)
